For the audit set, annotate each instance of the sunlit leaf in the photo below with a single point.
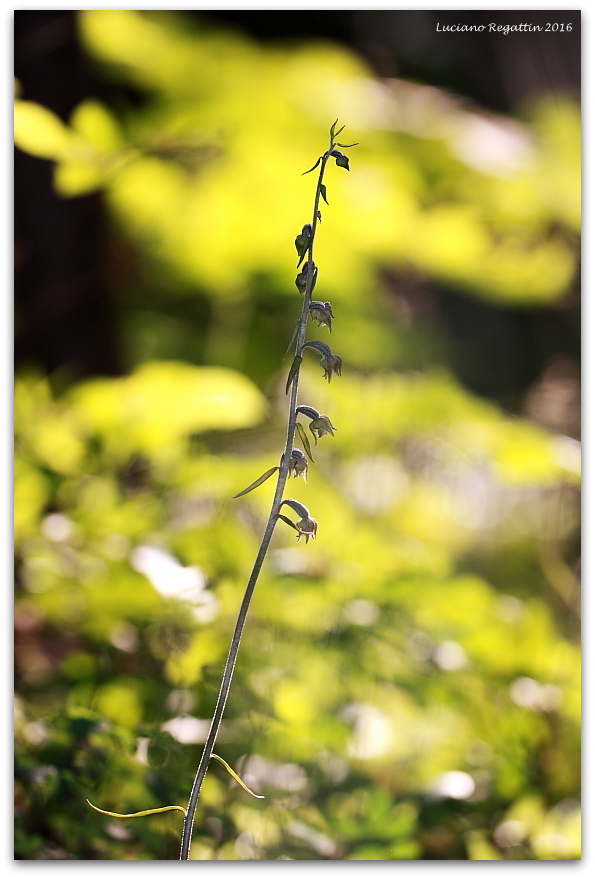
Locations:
(259, 481)
(305, 441)
(40, 132)
(235, 776)
(139, 813)
(295, 368)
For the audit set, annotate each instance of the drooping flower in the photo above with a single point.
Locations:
(322, 312)
(319, 425)
(330, 362)
(298, 464)
(307, 527)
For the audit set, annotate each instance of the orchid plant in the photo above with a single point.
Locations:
(293, 462)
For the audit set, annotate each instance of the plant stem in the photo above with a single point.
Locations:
(264, 545)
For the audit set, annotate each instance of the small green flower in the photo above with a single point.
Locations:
(307, 527)
(331, 363)
(298, 464)
(322, 312)
(319, 425)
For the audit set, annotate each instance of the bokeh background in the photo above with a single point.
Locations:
(408, 686)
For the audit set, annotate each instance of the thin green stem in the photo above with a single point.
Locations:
(262, 551)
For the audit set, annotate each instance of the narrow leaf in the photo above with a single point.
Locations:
(322, 188)
(139, 813)
(313, 167)
(236, 777)
(332, 129)
(297, 507)
(295, 367)
(259, 481)
(293, 338)
(347, 145)
(305, 441)
(287, 521)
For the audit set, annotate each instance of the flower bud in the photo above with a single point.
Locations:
(302, 242)
(340, 158)
(301, 280)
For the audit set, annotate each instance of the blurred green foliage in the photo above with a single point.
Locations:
(408, 686)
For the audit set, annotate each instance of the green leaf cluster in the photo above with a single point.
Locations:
(428, 630)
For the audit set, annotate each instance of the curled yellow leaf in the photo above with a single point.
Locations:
(235, 776)
(138, 813)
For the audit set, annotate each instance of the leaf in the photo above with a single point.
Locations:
(259, 481)
(293, 338)
(287, 521)
(313, 166)
(347, 145)
(128, 411)
(141, 813)
(40, 132)
(298, 507)
(295, 367)
(236, 777)
(322, 188)
(305, 441)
